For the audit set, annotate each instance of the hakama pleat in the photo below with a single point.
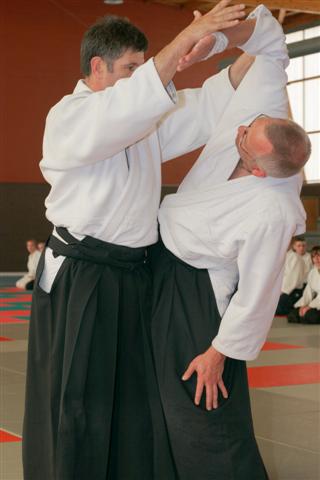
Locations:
(217, 444)
(92, 401)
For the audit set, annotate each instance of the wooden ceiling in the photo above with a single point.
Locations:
(291, 13)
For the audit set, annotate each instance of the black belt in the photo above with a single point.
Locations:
(93, 250)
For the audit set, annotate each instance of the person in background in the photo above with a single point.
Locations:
(307, 308)
(27, 281)
(294, 278)
(41, 246)
(299, 245)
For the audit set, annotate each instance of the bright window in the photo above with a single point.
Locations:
(304, 94)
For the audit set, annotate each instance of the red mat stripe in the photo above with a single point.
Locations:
(284, 375)
(9, 437)
(279, 346)
(19, 299)
(14, 313)
(5, 339)
(11, 290)
(12, 320)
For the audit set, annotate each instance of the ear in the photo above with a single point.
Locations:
(258, 172)
(97, 65)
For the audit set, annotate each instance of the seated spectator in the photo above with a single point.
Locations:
(41, 246)
(307, 309)
(27, 281)
(293, 282)
(299, 245)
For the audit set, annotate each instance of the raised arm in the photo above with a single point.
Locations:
(220, 17)
(259, 34)
(209, 45)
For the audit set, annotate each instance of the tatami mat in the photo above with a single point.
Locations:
(284, 380)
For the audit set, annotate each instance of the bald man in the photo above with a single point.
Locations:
(218, 273)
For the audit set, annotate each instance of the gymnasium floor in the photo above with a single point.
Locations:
(284, 390)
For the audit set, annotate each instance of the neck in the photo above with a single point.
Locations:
(89, 83)
(239, 171)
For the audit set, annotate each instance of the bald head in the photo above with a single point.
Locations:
(291, 148)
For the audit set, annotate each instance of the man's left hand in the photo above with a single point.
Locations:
(209, 368)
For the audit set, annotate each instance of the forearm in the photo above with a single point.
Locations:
(166, 61)
(241, 33)
(220, 17)
(237, 36)
(239, 69)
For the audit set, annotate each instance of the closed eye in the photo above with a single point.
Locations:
(131, 67)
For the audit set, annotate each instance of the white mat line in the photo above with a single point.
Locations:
(10, 370)
(11, 433)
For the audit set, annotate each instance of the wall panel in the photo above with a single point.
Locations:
(23, 216)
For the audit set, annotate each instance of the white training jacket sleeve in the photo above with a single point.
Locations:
(248, 317)
(311, 294)
(293, 273)
(267, 38)
(263, 89)
(193, 119)
(306, 298)
(315, 303)
(88, 127)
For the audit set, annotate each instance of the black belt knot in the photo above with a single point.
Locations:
(96, 251)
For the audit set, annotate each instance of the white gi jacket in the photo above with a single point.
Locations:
(240, 229)
(311, 294)
(102, 152)
(294, 272)
(33, 260)
(308, 265)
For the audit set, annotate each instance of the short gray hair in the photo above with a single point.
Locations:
(291, 149)
(109, 38)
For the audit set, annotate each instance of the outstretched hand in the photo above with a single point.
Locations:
(209, 368)
(219, 18)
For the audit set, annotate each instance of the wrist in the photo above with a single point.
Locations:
(221, 42)
(215, 353)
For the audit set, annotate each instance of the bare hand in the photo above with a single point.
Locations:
(218, 18)
(198, 53)
(209, 368)
(303, 311)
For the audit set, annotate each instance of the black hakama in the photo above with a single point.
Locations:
(93, 409)
(206, 445)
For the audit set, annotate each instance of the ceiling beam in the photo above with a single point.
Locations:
(305, 6)
(305, 47)
(299, 21)
(282, 15)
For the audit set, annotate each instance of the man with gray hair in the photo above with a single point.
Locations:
(217, 275)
